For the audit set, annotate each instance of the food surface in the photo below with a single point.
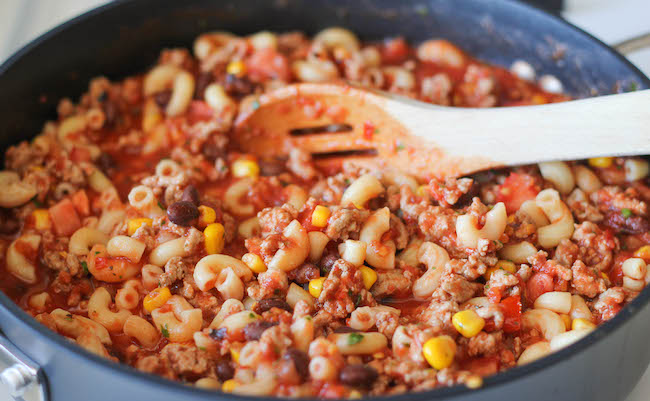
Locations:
(134, 227)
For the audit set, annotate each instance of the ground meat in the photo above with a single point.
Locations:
(343, 290)
(502, 280)
(484, 343)
(391, 282)
(478, 87)
(520, 226)
(609, 302)
(146, 234)
(439, 312)
(193, 240)
(613, 198)
(275, 219)
(175, 269)
(303, 273)
(552, 268)
(345, 222)
(566, 252)
(448, 192)
(473, 267)
(458, 288)
(270, 284)
(586, 281)
(581, 208)
(627, 224)
(437, 89)
(179, 361)
(18, 158)
(56, 257)
(399, 232)
(300, 164)
(596, 247)
(330, 189)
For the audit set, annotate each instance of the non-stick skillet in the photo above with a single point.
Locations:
(125, 37)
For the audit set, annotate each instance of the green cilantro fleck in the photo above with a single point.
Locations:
(84, 265)
(36, 202)
(165, 331)
(202, 348)
(160, 205)
(487, 287)
(354, 338)
(251, 315)
(400, 146)
(376, 131)
(97, 252)
(626, 213)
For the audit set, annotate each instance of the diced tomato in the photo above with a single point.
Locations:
(304, 217)
(268, 64)
(517, 189)
(616, 272)
(394, 51)
(368, 130)
(485, 366)
(494, 294)
(512, 314)
(538, 284)
(199, 111)
(78, 154)
(81, 203)
(65, 218)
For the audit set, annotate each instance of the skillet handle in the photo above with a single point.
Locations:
(21, 377)
(634, 44)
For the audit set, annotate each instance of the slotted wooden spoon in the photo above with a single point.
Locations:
(339, 122)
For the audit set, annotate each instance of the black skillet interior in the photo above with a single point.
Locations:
(125, 37)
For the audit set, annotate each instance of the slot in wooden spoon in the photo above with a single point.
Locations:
(338, 122)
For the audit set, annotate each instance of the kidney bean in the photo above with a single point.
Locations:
(162, 98)
(267, 304)
(304, 273)
(211, 151)
(105, 162)
(253, 331)
(627, 225)
(270, 167)
(9, 223)
(182, 213)
(300, 361)
(358, 375)
(190, 194)
(203, 79)
(224, 370)
(110, 113)
(326, 264)
(238, 86)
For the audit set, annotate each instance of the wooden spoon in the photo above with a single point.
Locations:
(338, 122)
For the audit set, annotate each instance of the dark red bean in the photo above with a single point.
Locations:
(271, 167)
(326, 264)
(224, 370)
(253, 331)
(182, 213)
(238, 86)
(106, 163)
(627, 225)
(304, 273)
(9, 223)
(162, 98)
(358, 375)
(211, 151)
(219, 334)
(300, 361)
(345, 329)
(190, 194)
(267, 304)
(203, 79)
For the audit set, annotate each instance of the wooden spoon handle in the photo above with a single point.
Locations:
(613, 125)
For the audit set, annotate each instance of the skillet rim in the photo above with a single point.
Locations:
(491, 382)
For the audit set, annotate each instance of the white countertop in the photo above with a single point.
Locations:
(610, 20)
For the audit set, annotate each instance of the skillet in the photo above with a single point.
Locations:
(125, 37)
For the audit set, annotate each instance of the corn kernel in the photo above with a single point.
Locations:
(229, 385)
(474, 381)
(316, 286)
(468, 323)
(245, 168)
(604, 276)
(439, 351)
(156, 298)
(422, 191)
(579, 324)
(567, 321)
(207, 215)
(501, 265)
(234, 355)
(214, 238)
(369, 276)
(236, 68)
(319, 216)
(42, 220)
(134, 224)
(643, 253)
(602, 162)
(538, 99)
(254, 262)
(355, 395)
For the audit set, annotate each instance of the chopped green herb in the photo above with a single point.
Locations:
(347, 181)
(626, 213)
(68, 317)
(399, 146)
(354, 338)
(165, 331)
(160, 205)
(307, 317)
(97, 252)
(84, 265)
(357, 301)
(251, 315)
(487, 286)
(255, 105)
(202, 348)
(36, 202)
(376, 131)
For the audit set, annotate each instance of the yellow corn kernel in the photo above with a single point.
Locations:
(602, 162)
(156, 298)
(214, 238)
(207, 215)
(474, 381)
(579, 324)
(468, 323)
(501, 265)
(439, 351)
(422, 191)
(41, 219)
(604, 276)
(538, 99)
(236, 68)
(151, 116)
(234, 355)
(643, 253)
(319, 216)
(134, 224)
(316, 286)
(355, 395)
(254, 262)
(229, 385)
(369, 276)
(245, 168)
(567, 321)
